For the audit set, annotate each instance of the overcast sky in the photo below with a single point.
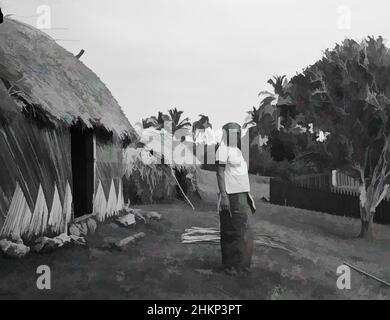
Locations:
(202, 56)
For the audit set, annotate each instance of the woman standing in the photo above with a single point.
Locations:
(235, 202)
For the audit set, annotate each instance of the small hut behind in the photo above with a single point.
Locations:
(150, 177)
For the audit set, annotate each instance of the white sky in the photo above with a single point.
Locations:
(202, 56)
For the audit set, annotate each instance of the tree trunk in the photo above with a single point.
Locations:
(366, 231)
(366, 216)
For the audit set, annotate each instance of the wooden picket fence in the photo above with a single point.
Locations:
(323, 198)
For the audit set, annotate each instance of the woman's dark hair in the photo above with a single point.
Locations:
(230, 129)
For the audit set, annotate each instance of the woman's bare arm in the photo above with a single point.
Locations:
(222, 187)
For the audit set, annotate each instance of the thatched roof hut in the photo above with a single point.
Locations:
(62, 136)
(54, 81)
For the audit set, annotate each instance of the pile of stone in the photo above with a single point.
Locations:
(16, 249)
(134, 215)
(126, 220)
(83, 226)
(45, 244)
(146, 215)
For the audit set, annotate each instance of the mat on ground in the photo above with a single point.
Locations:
(213, 236)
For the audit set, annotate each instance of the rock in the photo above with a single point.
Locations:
(127, 220)
(17, 250)
(83, 218)
(83, 228)
(63, 239)
(78, 240)
(92, 225)
(79, 229)
(16, 238)
(4, 245)
(124, 242)
(12, 249)
(111, 242)
(45, 244)
(137, 214)
(74, 230)
(153, 215)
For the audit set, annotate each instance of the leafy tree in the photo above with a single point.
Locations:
(281, 145)
(347, 94)
(274, 120)
(202, 124)
(262, 121)
(156, 122)
(265, 117)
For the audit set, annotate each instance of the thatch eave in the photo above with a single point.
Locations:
(54, 82)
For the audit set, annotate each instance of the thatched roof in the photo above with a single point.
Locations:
(34, 68)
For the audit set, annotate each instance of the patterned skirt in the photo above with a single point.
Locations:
(236, 233)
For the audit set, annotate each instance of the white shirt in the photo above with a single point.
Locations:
(236, 170)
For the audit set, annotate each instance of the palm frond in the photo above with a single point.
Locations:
(149, 122)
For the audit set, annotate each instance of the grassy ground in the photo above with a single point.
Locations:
(160, 267)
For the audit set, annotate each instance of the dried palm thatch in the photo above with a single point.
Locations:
(50, 84)
(148, 180)
(213, 236)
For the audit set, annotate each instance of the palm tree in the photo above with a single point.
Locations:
(178, 124)
(170, 120)
(266, 117)
(149, 122)
(279, 84)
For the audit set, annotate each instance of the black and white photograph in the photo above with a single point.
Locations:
(174, 151)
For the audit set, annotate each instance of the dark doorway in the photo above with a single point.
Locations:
(82, 170)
